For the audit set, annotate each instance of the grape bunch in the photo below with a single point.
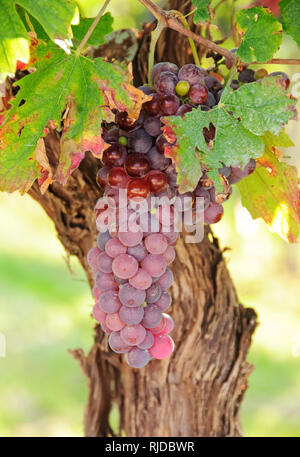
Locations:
(135, 248)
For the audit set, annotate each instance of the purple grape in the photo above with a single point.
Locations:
(131, 316)
(140, 141)
(109, 301)
(130, 296)
(165, 83)
(147, 342)
(164, 302)
(102, 239)
(146, 89)
(157, 160)
(117, 344)
(169, 104)
(247, 76)
(152, 126)
(152, 316)
(160, 67)
(137, 358)
(192, 74)
(153, 293)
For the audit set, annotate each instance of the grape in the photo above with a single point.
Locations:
(157, 181)
(92, 257)
(140, 141)
(250, 167)
(165, 83)
(234, 84)
(102, 176)
(153, 293)
(113, 321)
(117, 344)
(96, 293)
(169, 104)
(123, 140)
(225, 171)
(152, 316)
(183, 109)
(117, 177)
(169, 255)
(149, 223)
(114, 247)
(114, 155)
(152, 126)
(159, 328)
(247, 76)
(141, 280)
(154, 264)
(139, 252)
(137, 165)
(131, 315)
(158, 68)
(147, 341)
(200, 192)
(102, 239)
(146, 89)
(164, 302)
(183, 202)
(211, 101)
(213, 213)
(130, 296)
(156, 243)
(109, 301)
(165, 281)
(157, 160)
(192, 74)
(111, 135)
(152, 107)
(129, 237)
(98, 314)
(163, 347)
(126, 123)
(171, 176)
(198, 93)
(104, 263)
(138, 188)
(260, 74)
(137, 358)
(170, 234)
(169, 324)
(182, 88)
(133, 335)
(166, 215)
(212, 83)
(105, 328)
(105, 281)
(124, 266)
(161, 143)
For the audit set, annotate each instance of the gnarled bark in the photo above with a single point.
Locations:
(199, 389)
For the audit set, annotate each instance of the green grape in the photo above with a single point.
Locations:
(182, 88)
(123, 140)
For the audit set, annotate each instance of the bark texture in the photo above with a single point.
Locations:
(198, 391)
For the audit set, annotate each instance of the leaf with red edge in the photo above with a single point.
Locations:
(272, 193)
(85, 90)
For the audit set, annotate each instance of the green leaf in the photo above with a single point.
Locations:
(272, 192)
(97, 38)
(55, 17)
(261, 34)
(84, 89)
(232, 145)
(202, 13)
(290, 13)
(261, 106)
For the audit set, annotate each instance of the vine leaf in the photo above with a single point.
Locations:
(272, 192)
(261, 105)
(103, 28)
(261, 34)
(202, 12)
(14, 40)
(290, 13)
(85, 90)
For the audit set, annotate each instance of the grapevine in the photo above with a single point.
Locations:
(131, 261)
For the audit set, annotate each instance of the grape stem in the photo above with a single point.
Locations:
(92, 27)
(185, 23)
(172, 22)
(154, 37)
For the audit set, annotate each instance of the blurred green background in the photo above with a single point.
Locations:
(45, 308)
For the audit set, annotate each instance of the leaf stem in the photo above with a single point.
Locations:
(154, 37)
(185, 23)
(92, 27)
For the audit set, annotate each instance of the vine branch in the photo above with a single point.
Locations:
(170, 21)
(92, 27)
